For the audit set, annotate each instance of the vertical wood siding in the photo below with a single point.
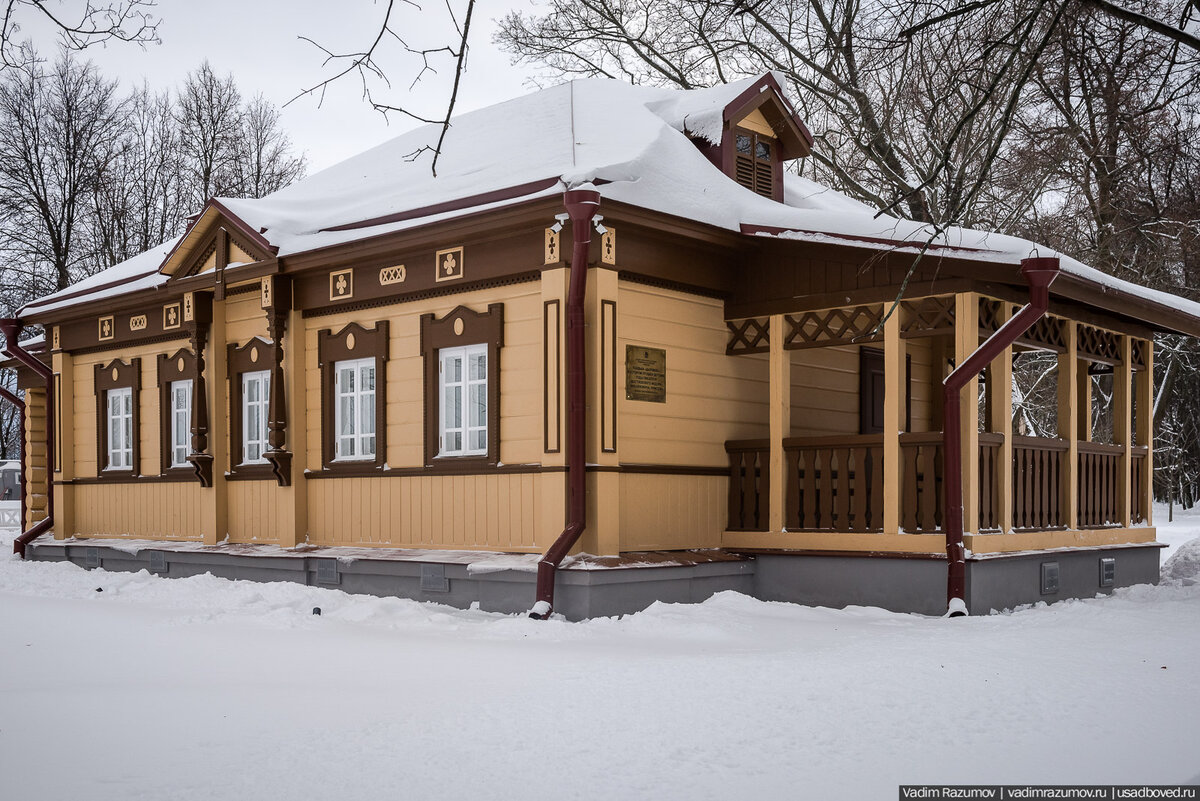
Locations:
(671, 512)
(161, 511)
(256, 511)
(506, 512)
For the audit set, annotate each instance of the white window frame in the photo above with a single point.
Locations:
(118, 405)
(358, 444)
(257, 436)
(445, 356)
(181, 421)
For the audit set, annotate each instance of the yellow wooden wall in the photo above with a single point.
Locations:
(711, 397)
(520, 373)
(663, 512)
(149, 510)
(499, 512)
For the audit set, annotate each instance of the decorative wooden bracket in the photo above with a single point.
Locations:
(276, 298)
(197, 318)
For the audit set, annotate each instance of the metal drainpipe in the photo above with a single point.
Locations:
(20, 406)
(12, 348)
(581, 205)
(1039, 273)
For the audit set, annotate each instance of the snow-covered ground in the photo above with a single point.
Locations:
(207, 688)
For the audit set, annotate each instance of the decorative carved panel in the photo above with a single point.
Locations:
(1048, 333)
(1099, 345)
(1137, 354)
(449, 264)
(748, 336)
(928, 317)
(834, 327)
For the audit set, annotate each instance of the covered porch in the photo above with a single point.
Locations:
(881, 490)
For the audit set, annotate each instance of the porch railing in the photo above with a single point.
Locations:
(837, 483)
(1098, 465)
(749, 484)
(834, 483)
(1037, 478)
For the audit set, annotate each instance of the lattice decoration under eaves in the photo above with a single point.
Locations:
(1098, 345)
(989, 316)
(927, 317)
(818, 329)
(1048, 333)
(1137, 354)
(752, 335)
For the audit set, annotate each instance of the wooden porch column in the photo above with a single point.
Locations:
(966, 341)
(1123, 429)
(894, 378)
(1070, 424)
(1144, 408)
(1000, 408)
(780, 420)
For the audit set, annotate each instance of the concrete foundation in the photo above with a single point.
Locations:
(901, 584)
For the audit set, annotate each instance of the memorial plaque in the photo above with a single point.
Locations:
(645, 374)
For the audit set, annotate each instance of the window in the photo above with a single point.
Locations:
(256, 392)
(117, 386)
(120, 429)
(354, 393)
(464, 401)
(181, 422)
(754, 163)
(461, 352)
(353, 365)
(178, 383)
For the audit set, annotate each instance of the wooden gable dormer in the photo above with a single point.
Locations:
(760, 130)
(215, 239)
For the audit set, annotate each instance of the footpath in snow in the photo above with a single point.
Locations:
(206, 688)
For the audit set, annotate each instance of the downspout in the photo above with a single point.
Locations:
(20, 406)
(581, 205)
(1039, 273)
(11, 329)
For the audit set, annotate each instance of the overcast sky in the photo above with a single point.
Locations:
(259, 42)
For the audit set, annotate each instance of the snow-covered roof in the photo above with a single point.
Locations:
(632, 141)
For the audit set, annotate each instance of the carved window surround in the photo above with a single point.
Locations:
(179, 366)
(352, 342)
(252, 357)
(462, 327)
(117, 375)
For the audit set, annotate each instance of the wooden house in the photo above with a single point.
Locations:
(612, 331)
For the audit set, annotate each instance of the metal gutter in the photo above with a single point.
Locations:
(11, 329)
(581, 205)
(1039, 273)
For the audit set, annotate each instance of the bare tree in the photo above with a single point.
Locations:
(369, 66)
(209, 117)
(61, 127)
(266, 160)
(79, 25)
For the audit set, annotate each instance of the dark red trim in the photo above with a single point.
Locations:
(751, 99)
(481, 199)
(1039, 273)
(12, 348)
(581, 205)
(750, 229)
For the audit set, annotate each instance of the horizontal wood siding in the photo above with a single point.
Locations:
(256, 511)
(160, 511)
(244, 318)
(825, 391)
(520, 372)
(711, 397)
(498, 512)
(663, 512)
